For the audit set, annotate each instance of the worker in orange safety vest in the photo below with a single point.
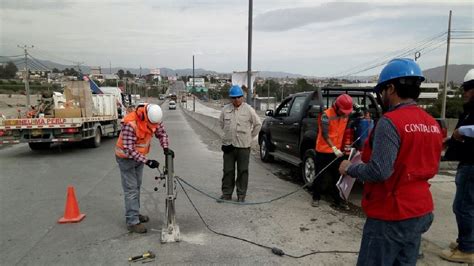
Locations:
(331, 126)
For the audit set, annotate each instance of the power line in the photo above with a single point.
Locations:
(38, 62)
(55, 56)
(399, 53)
(406, 53)
(11, 55)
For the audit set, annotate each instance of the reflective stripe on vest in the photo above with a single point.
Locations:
(337, 126)
(142, 146)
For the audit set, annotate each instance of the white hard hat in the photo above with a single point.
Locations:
(154, 113)
(469, 80)
(469, 76)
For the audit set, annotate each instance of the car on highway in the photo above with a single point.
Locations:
(172, 105)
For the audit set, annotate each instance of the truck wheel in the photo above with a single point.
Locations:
(38, 146)
(308, 170)
(96, 140)
(265, 150)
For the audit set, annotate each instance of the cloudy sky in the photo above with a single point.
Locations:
(310, 37)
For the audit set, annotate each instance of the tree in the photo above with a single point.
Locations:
(8, 71)
(128, 74)
(55, 70)
(70, 72)
(120, 73)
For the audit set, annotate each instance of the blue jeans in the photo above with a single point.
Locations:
(131, 172)
(463, 207)
(392, 242)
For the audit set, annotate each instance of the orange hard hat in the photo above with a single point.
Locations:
(344, 103)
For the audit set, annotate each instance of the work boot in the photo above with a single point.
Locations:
(456, 255)
(143, 218)
(315, 203)
(240, 198)
(224, 197)
(137, 228)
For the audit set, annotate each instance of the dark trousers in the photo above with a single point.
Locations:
(463, 207)
(392, 242)
(239, 156)
(327, 180)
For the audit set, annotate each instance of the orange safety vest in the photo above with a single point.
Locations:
(337, 126)
(144, 132)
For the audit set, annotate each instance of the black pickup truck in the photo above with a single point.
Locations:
(289, 132)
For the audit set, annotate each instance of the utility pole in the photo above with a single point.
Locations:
(249, 59)
(445, 89)
(27, 73)
(110, 67)
(194, 89)
(282, 87)
(268, 95)
(78, 65)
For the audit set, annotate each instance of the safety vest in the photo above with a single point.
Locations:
(406, 194)
(143, 133)
(337, 126)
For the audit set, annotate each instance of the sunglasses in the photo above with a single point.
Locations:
(234, 98)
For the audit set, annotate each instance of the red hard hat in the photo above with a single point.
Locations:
(344, 103)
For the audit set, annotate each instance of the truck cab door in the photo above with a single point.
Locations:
(292, 125)
(277, 125)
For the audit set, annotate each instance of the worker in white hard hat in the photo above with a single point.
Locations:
(131, 152)
(460, 148)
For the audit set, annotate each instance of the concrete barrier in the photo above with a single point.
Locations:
(209, 122)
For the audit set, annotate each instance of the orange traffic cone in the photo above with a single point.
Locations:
(71, 211)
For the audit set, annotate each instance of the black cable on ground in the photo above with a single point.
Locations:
(274, 250)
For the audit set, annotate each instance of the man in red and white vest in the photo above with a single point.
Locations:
(404, 154)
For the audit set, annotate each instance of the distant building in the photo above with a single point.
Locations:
(96, 70)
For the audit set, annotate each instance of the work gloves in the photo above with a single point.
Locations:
(337, 151)
(152, 164)
(168, 151)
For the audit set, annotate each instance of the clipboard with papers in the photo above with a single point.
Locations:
(346, 182)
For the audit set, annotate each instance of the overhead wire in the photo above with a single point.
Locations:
(385, 58)
(39, 62)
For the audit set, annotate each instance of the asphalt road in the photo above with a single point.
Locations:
(33, 191)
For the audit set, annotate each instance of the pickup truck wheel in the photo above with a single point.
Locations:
(309, 166)
(38, 146)
(265, 151)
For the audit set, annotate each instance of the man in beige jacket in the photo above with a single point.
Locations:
(241, 125)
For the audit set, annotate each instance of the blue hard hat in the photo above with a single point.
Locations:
(399, 68)
(235, 91)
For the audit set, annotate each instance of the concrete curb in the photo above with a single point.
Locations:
(209, 122)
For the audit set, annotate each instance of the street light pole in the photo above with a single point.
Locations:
(194, 89)
(249, 60)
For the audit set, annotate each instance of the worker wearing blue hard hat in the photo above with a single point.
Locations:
(241, 125)
(402, 154)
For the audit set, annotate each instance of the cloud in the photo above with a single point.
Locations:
(290, 18)
(34, 4)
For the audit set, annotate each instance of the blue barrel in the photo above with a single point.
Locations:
(362, 130)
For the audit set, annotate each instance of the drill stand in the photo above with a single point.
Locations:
(170, 230)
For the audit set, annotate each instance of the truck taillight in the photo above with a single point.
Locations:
(347, 140)
(2, 132)
(70, 130)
